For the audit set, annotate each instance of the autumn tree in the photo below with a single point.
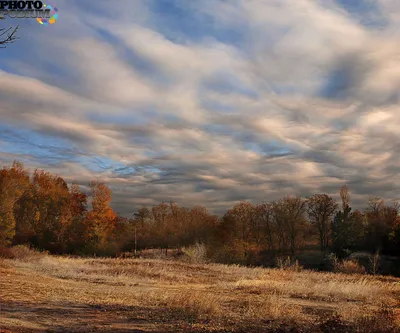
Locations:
(24, 211)
(78, 233)
(14, 181)
(199, 225)
(321, 209)
(232, 241)
(101, 218)
(51, 215)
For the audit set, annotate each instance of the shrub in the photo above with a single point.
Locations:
(20, 252)
(273, 307)
(6, 253)
(196, 253)
(193, 304)
(333, 261)
(383, 320)
(374, 262)
(289, 264)
(349, 267)
(334, 323)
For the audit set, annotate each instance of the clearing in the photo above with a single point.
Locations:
(43, 293)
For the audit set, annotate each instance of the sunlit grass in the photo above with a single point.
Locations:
(228, 295)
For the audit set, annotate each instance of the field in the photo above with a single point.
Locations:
(43, 293)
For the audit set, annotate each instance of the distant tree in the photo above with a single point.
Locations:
(24, 211)
(348, 227)
(382, 222)
(321, 209)
(345, 196)
(265, 229)
(290, 221)
(233, 240)
(141, 229)
(161, 229)
(242, 218)
(395, 239)
(78, 233)
(142, 215)
(101, 218)
(51, 215)
(14, 181)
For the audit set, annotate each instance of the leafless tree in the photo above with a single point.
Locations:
(321, 209)
(345, 196)
(7, 35)
(290, 221)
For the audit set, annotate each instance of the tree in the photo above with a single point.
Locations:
(348, 227)
(7, 35)
(50, 215)
(198, 226)
(233, 239)
(290, 222)
(321, 209)
(345, 196)
(162, 230)
(382, 220)
(14, 181)
(101, 218)
(140, 229)
(242, 218)
(78, 233)
(265, 230)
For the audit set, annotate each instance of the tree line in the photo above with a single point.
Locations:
(250, 233)
(42, 210)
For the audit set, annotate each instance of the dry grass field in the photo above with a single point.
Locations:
(43, 293)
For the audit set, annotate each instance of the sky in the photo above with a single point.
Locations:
(208, 102)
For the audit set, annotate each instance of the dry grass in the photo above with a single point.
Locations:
(42, 293)
(349, 267)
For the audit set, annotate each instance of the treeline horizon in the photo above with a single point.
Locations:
(41, 210)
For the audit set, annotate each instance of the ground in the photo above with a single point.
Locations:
(43, 293)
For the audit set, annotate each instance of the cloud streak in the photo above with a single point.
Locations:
(208, 102)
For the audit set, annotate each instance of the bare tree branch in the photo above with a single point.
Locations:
(7, 35)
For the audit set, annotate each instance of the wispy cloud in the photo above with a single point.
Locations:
(208, 102)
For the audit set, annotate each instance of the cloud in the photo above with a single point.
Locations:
(208, 102)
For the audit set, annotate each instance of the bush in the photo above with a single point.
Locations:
(196, 253)
(192, 304)
(20, 252)
(334, 323)
(383, 320)
(6, 253)
(374, 263)
(349, 267)
(289, 264)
